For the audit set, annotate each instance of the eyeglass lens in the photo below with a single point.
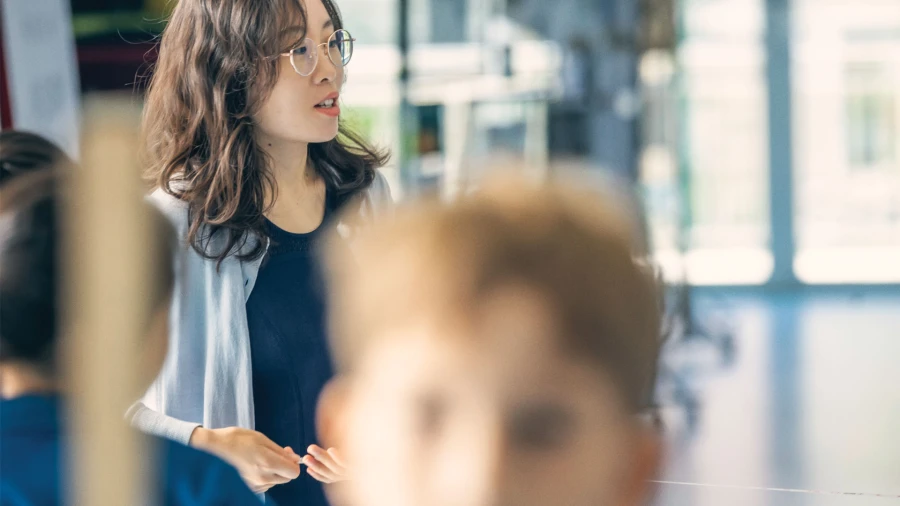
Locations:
(305, 56)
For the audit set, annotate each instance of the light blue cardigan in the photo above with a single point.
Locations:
(206, 379)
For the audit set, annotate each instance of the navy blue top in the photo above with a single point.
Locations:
(33, 453)
(290, 358)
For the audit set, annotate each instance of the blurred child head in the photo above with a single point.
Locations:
(494, 352)
(24, 152)
(30, 277)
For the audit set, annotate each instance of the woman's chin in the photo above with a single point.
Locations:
(323, 132)
(325, 137)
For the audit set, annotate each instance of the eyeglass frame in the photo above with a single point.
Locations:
(290, 53)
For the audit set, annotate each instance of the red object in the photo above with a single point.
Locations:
(115, 65)
(5, 105)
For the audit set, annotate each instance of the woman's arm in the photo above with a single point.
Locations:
(139, 415)
(153, 422)
(261, 463)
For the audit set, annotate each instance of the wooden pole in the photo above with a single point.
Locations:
(106, 235)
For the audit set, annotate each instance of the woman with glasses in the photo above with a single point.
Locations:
(250, 162)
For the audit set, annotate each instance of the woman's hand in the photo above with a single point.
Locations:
(325, 466)
(261, 463)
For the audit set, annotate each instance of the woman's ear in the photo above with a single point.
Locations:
(331, 413)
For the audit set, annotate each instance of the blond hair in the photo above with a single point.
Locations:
(439, 263)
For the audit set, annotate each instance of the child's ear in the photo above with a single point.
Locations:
(648, 454)
(331, 413)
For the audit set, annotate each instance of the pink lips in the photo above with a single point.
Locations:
(334, 110)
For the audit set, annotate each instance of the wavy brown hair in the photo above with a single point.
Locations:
(213, 74)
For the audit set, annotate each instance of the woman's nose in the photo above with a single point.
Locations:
(325, 69)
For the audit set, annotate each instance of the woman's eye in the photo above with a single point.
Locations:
(300, 51)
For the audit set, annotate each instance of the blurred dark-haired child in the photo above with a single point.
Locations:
(32, 410)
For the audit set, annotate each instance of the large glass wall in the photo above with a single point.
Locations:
(847, 140)
(712, 225)
(482, 85)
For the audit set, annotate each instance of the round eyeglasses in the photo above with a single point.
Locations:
(305, 56)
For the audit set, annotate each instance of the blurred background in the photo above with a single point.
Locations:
(760, 138)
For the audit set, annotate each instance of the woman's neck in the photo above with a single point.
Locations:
(299, 201)
(290, 161)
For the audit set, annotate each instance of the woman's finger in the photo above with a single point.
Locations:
(326, 459)
(315, 450)
(278, 463)
(263, 482)
(314, 465)
(292, 454)
(268, 443)
(273, 479)
(333, 452)
(318, 477)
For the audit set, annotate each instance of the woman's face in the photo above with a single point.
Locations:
(293, 110)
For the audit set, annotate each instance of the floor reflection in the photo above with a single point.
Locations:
(810, 401)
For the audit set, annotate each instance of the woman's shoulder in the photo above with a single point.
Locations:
(174, 209)
(177, 211)
(380, 186)
(378, 196)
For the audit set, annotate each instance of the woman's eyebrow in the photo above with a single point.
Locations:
(292, 29)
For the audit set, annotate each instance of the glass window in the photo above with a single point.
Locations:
(721, 172)
(846, 138)
(869, 102)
